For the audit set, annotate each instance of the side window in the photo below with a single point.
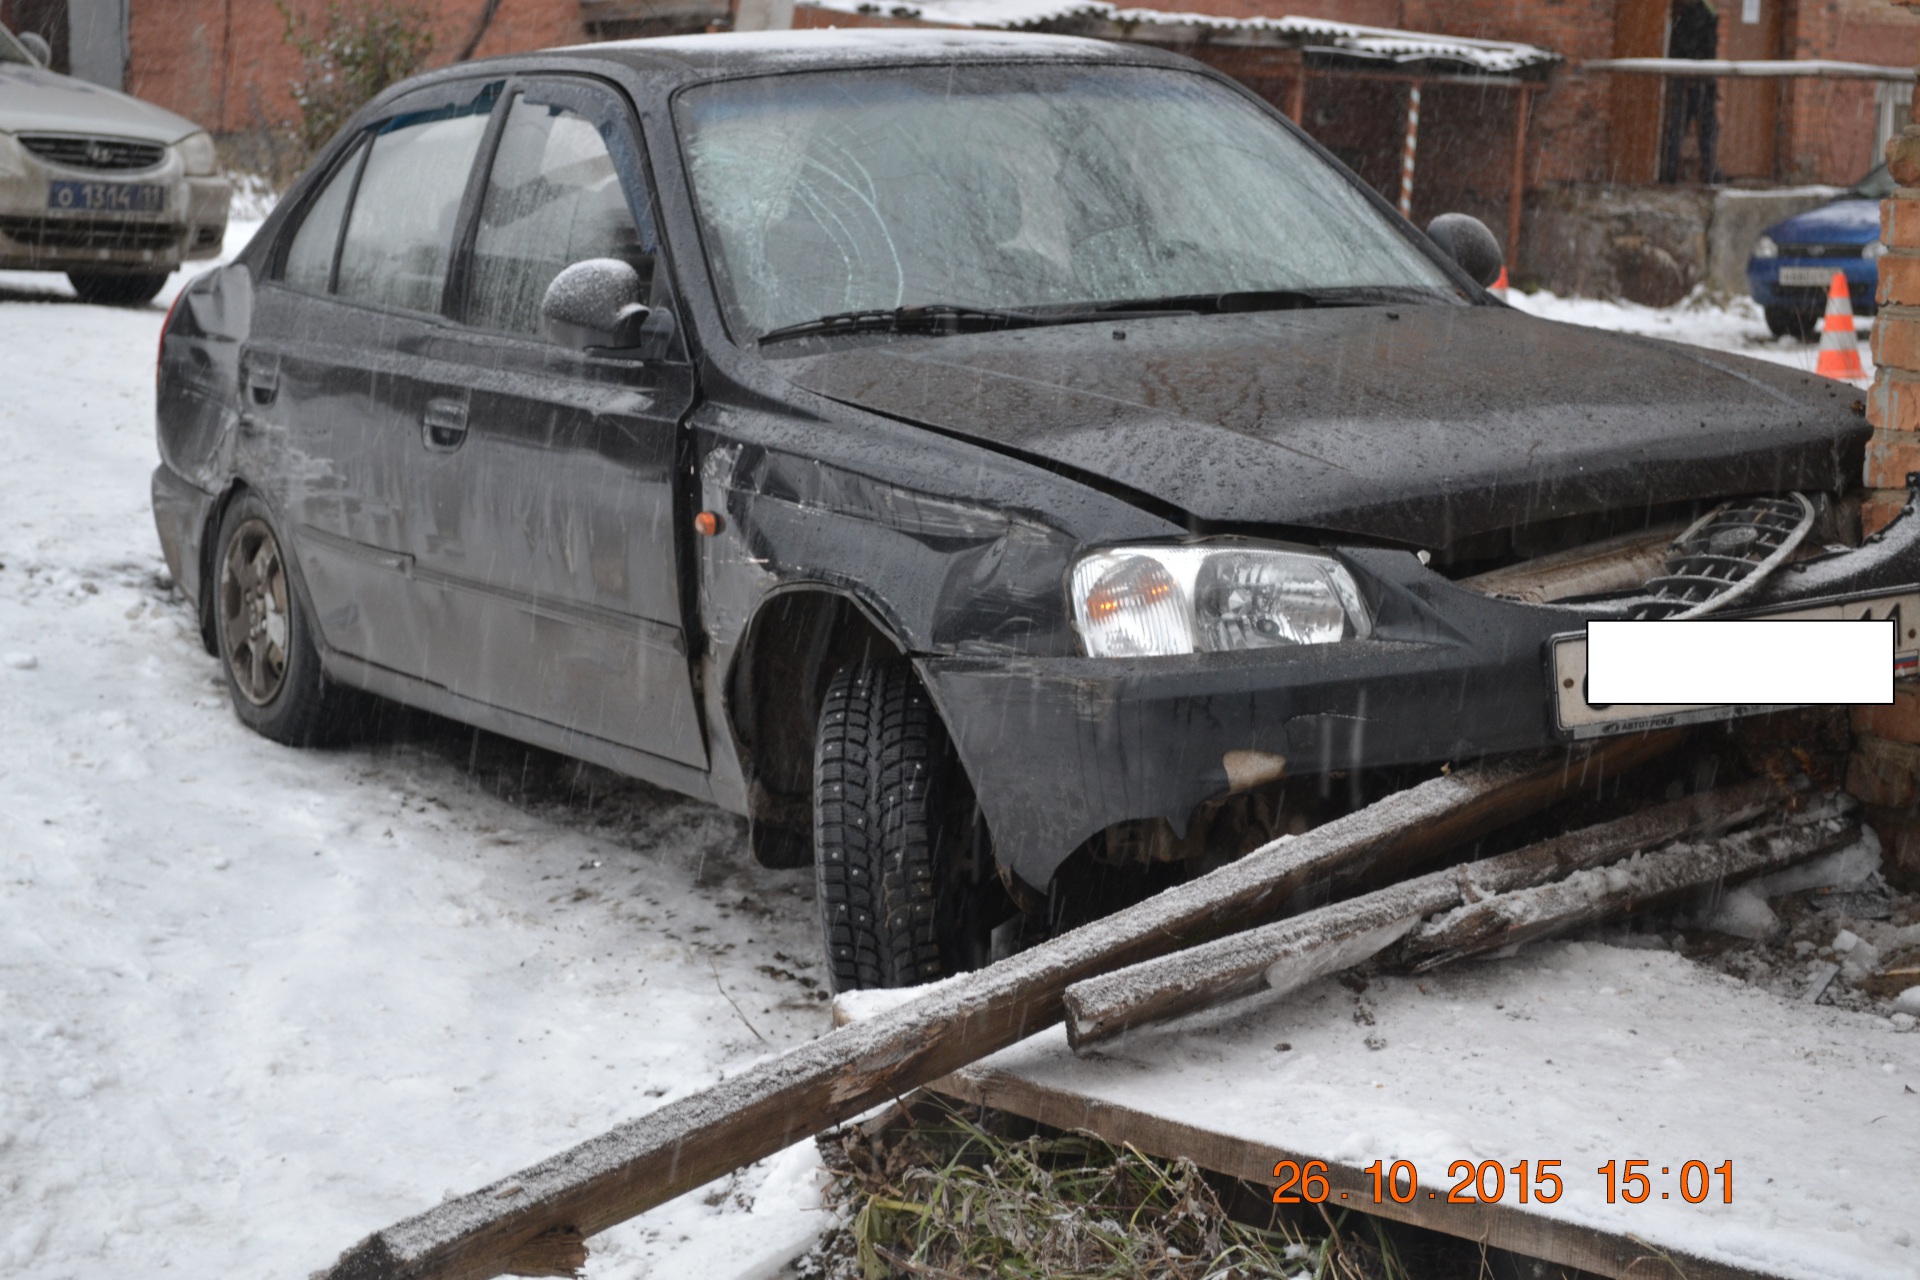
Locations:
(309, 263)
(553, 199)
(400, 233)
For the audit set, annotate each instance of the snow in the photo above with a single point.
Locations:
(257, 1002)
(1722, 324)
(1579, 1052)
(1386, 44)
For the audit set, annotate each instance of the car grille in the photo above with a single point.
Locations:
(1726, 555)
(88, 233)
(93, 153)
(1821, 250)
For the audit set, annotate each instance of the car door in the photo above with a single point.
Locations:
(550, 518)
(336, 375)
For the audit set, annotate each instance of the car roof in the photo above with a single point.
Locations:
(728, 54)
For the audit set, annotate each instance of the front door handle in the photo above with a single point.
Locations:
(444, 425)
(261, 373)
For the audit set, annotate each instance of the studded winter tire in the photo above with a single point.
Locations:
(905, 875)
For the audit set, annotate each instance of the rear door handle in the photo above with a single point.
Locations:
(261, 373)
(444, 425)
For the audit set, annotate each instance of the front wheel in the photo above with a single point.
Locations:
(266, 649)
(906, 886)
(117, 289)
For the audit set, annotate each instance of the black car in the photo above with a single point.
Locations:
(954, 452)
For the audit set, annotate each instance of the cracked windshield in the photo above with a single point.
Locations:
(1018, 187)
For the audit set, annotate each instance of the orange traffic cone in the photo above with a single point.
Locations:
(1499, 287)
(1839, 348)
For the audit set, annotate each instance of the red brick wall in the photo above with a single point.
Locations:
(226, 63)
(1829, 125)
(1567, 138)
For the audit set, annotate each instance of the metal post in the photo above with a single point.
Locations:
(1297, 97)
(1406, 155)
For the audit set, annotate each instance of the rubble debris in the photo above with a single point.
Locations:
(1293, 952)
(791, 1095)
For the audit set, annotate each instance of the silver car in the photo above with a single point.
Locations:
(113, 191)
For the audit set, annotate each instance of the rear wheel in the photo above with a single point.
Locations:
(116, 289)
(906, 886)
(266, 649)
(1792, 321)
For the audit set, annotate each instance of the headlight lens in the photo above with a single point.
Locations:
(1145, 601)
(1764, 247)
(198, 155)
(1873, 251)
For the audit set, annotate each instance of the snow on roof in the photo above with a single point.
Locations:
(1371, 43)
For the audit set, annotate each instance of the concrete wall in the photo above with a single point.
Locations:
(1739, 216)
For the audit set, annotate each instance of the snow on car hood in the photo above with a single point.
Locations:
(1418, 424)
(36, 101)
(1842, 222)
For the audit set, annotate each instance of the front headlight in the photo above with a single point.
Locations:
(198, 155)
(10, 166)
(1873, 251)
(1143, 601)
(1764, 247)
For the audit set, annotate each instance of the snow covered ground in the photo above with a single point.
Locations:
(256, 1002)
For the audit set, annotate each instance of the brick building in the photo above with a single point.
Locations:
(227, 64)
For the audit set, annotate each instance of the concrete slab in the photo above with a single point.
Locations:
(1577, 1052)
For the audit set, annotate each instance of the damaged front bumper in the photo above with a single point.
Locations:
(1060, 749)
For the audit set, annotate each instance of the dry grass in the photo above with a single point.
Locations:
(948, 1198)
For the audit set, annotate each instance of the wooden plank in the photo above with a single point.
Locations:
(813, 1086)
(1502, 1225)
(1640, 30)
(1328, 939)
(1651, 881)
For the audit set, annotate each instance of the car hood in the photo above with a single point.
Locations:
(1842, 222)
(1418, 424)
(33, 100)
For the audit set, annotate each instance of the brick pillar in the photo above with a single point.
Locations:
(1884, 770)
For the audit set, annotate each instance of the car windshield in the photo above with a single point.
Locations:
(11, 50)
(1877, 185)
(1019, 187)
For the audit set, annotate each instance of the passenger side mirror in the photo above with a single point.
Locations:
(36, 44)
(1466, 240)
(595, 303)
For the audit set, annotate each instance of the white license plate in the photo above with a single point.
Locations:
(1805, 277)
(1577, 718)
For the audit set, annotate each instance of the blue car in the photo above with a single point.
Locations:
(1794, 260)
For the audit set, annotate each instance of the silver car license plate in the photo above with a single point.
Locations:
(1806, 277)
(106, 197)
(1579, 719)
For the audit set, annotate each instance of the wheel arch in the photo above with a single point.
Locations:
(206, 555)
(799, 635)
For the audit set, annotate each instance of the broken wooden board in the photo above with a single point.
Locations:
(1299, 949)
(1578, 1052)
(804, 1090)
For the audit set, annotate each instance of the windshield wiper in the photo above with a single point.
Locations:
(1276, 299)
(926, 317)
(949, 317)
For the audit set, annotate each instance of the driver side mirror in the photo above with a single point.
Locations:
(1466, 240)
(36, 44)
(595, 303)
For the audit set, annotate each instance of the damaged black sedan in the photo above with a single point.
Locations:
(957, 453)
